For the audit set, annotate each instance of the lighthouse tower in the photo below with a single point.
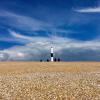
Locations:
(52, 58)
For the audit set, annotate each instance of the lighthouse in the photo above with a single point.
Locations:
(52, 58)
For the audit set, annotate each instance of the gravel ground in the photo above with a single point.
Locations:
(50, 86)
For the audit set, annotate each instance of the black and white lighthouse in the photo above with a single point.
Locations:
(52, 58)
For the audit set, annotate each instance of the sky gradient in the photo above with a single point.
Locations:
(28, 28)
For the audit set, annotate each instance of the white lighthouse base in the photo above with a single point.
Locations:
(52, 59)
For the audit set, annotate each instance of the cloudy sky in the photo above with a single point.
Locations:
(28, 28)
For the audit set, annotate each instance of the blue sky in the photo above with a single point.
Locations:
(28, 28)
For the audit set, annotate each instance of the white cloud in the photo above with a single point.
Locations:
(17, 35)
(21, 22)
(39, 48)
(89, 10)
(4, 56)
(32, 25)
